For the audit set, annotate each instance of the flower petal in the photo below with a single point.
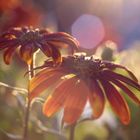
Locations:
(59, 44)
(5, 43)
(75, 102)
(55, 101)
(117, 102)
(51, 51)
(42, 76)
(120, 77)
(45, 48)
(96, 98)
(126, 90)
(41, 85)
(57, 35)
(26, 53)
(64, 38)
(8, 54)
(16, 32)
(56, 55)
(113, 66)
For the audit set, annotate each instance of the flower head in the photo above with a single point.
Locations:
(19, 16)
(4, 5)
(29, 40)
(83, 79)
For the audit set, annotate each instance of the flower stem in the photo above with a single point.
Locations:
(28, 103)
(72, 131)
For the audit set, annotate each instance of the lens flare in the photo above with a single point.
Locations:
(89, 30)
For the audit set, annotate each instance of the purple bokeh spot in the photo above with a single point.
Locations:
(88, 30)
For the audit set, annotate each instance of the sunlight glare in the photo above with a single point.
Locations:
(89, 30)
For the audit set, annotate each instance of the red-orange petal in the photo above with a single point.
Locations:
(55, 101)
(113, 66)
(59, 44)
(39, 87)
(120, 77)
(117, 102)
(26, 53)
(56, 55)
(45, 48)
(42, 76)
(96, 98)
(8, 54)
(75, 102)
(127, 91)
(64, 38)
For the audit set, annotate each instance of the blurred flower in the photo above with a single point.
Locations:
(107, 50)
(29, 40)
(6, 5)
(83, 78)
(21, 15)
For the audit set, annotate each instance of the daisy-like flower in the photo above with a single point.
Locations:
(83, 79)
(29, 40)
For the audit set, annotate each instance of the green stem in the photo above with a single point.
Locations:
(72, 131)
(27, 109)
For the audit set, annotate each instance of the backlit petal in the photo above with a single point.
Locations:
(45, 48)
(26, 53)
(55, 101)
(8, 54)
(56, 55)
(47, 81)
(75, 102)
(121, 78)
(113, 66)
(42, 76)
(5, 43)
(117, 102)
(97, 99)
(63, 37)
(126, 90)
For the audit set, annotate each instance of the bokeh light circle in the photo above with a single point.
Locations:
(88, 30)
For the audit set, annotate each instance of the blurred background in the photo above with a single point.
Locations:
(106, 28)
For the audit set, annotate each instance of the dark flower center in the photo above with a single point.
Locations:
(83, 65)
(30, 37)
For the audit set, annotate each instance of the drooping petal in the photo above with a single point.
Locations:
(59, 44)
(113, 66)
(5, 43)
(126, 90)
(51, 51)
(26, 53)
(63, 37)
(97, 99)
(75, 102)
(13, 31)
(8, 54)
(42, 76)
(45, 48)
(57, 35)
(55, 101)
(39, 87)
(120, 77)
(56, 55)
(117, 102)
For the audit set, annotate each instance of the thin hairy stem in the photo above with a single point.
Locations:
(72, 131)
(28, 104)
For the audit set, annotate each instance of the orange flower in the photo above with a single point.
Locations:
(6, 5)
(20, 16)
(83, 79)
(29, 40)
